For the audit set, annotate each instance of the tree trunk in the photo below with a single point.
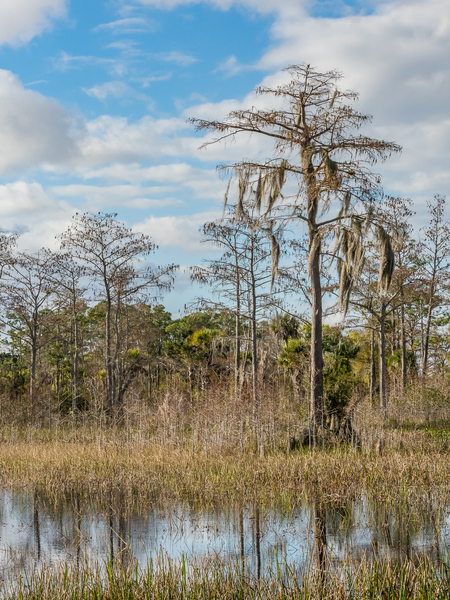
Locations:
(373, 374)
(403, 343)
(382, 358)
(149, 381)
(118, 364)
(316, 419)
(426, 336)
(33, 370)
(108, 360)
(255, 389)
(237, 361)
(75, 370)
(316, 374)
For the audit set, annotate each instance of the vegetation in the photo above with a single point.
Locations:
(211, 578)
(249, 396)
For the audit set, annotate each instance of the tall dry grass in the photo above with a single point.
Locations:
(210, 578)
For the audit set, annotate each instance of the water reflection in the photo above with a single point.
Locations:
(37, 528)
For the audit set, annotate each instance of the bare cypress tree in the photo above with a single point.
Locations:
(242, 277)
(110, 253)
(397, 214)
(72, 286)
(316, 143)
(434, 252)
(26, 292)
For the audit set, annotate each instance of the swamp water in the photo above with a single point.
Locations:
(37, 529)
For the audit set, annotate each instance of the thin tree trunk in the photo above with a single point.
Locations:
(316, 413)
(33, 371)
(108, 360)
(422, 347)
(75, 369)
(427, 337)
(382, 358)
(403, 339)
(373, 374)
(237, 361)
(316, 400)
(117, 364)
(149, 381)
(254, 354)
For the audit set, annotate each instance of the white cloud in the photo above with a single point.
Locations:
(397, 58)
(231, 66)
(26, 208)
(180, 231)
(202, 183)
(117, 89)
(21, 20)
(179, 58)
(128, 25)
(23, 198)
(35, 130)
(65, 61)
(110, 88)
(38, 133)
(147, 81)
(292, 7)
(135, 196)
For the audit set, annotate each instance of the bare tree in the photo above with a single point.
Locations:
(70, 278)
(315, 143)
(242, 280)
(26, 295)
(434, 251)
(111, 254)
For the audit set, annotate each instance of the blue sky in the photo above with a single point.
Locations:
(94, 99)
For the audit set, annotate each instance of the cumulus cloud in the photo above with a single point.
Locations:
(205, 183)
(22, 20)
(134, 196)
(26, 208)
(396, 57)
(38, 133)
(181, 231)
(21, 197)
(35, 130)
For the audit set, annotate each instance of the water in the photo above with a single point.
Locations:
(36, 529)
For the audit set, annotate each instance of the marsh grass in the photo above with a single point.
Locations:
(147, 470)
(211, 578)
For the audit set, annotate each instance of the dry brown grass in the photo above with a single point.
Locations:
(412, 463)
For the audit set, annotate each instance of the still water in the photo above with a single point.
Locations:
(35, 528)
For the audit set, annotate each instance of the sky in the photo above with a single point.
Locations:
(95, 99)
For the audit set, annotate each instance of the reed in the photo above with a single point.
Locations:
(210, 578)
(153, 471)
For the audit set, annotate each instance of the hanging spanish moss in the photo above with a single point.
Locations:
(225, 199)
(259, 193)
(242, 188)
(275, 252)
(387, 259)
